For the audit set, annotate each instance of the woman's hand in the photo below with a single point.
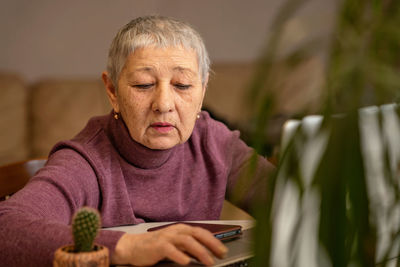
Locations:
(175, 243)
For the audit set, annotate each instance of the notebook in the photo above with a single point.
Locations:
(223, 232)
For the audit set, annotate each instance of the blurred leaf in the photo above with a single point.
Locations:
(362, 69)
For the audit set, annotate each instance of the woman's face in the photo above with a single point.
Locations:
(159, 95)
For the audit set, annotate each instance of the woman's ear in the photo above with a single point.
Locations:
(111, 91)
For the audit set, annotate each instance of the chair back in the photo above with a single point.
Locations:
(14, 176)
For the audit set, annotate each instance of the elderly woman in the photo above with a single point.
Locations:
(155, 157)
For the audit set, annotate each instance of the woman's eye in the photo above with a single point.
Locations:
(143, 86)
(182, 86)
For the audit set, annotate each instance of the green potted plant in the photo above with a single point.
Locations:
(345, 211)
(85, 226)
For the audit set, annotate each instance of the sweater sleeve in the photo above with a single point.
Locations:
(248, 174)
(35, 221)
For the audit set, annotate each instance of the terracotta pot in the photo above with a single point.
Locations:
(66, 257)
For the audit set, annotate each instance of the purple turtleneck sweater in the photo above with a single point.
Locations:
(128, 183)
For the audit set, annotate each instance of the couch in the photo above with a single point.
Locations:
(34, 116)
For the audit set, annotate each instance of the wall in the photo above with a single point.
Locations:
(44, 38)
(68, 38)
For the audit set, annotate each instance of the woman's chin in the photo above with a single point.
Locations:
(162, 143)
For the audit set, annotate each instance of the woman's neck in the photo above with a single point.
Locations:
(132, 151)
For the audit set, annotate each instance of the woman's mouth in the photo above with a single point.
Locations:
(162, 127)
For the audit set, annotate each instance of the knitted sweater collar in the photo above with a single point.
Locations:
(134, 152)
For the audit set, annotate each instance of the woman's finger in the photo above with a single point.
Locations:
(206, 238)
(189, 244)
(172, 253)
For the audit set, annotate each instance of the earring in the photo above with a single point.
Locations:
(198, 115)
(116, 115)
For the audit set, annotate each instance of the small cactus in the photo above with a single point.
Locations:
(85, 225)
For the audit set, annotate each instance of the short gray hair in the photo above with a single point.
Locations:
(155, 31)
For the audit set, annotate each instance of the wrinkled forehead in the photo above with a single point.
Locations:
(155, 59)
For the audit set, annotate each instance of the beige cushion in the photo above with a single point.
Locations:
(61, 108)
(13, 96)
(227, 91)
(298, 89)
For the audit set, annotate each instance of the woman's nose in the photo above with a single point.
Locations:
(163, 99)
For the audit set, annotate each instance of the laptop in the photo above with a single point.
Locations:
(239, 254)
(239, 249)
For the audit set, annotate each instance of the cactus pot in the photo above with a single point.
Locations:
(67, 257)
